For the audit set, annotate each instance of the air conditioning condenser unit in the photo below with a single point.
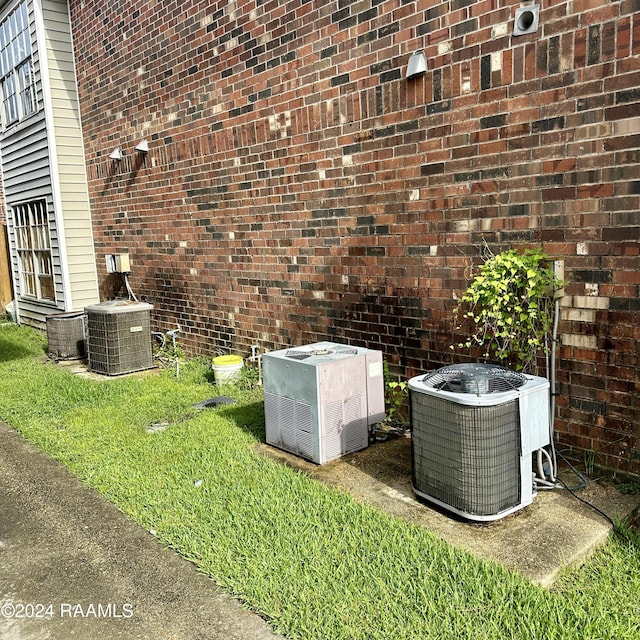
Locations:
(119, 337)
(474, 430)
(66, 335)
(321, 399)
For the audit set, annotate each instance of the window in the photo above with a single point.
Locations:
(34, 249)
(17, 82)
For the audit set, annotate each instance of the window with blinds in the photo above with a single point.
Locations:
(33, 243)
(17, 82)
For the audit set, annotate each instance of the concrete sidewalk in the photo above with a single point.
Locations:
(73, 566)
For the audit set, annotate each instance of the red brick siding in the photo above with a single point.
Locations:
(298, 188)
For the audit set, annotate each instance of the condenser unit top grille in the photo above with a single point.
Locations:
(118, 306)
(320, 350)
(478, 379)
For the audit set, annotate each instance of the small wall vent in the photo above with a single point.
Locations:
(526, 20)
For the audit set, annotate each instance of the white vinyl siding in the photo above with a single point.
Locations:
(43, 160)
(69, 156)
(26, 174)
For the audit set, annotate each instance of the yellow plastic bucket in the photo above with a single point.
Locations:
(227, 368)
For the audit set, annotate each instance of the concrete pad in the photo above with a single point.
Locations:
(552, 533)
(81, 369)
(73, 566)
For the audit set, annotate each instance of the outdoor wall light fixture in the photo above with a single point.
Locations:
(116, 154)
(526, 20)
(142, 146)
(417, 65)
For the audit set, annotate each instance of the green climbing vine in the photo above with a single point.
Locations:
(509, 305)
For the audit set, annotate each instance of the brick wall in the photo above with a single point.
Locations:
(298, 188)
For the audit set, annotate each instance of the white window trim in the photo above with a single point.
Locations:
(24, 101)
(33, 245)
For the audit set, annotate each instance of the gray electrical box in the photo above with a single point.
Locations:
(322, 398)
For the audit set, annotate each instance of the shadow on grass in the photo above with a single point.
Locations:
(249, 417)
(10, 350)
(628, 531)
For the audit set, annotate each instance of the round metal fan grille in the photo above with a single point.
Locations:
(479, 379)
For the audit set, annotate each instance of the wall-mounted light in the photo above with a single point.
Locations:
(142, 146)
(417, 65)
(526, 20)
(116, 154)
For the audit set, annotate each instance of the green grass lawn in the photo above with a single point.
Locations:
(317, 563)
